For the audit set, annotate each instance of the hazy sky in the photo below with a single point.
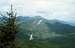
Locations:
(50, 9)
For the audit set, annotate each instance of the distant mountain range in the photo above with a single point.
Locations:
(42, 28)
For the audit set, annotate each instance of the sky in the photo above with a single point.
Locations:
(49, 9)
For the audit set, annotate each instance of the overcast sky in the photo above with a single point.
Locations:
(50, 9)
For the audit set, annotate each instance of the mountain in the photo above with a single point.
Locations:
(60, 27)
(46, 33)
(42, 28)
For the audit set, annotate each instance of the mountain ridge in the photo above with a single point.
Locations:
(44, 28)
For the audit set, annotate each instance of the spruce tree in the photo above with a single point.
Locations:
(8, 30)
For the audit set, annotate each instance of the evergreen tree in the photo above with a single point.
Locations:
(8, 30)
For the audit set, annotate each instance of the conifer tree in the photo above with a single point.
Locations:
(8, 30)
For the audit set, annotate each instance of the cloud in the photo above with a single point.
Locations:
(50, 9)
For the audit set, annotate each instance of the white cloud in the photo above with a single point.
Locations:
(62, 9)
